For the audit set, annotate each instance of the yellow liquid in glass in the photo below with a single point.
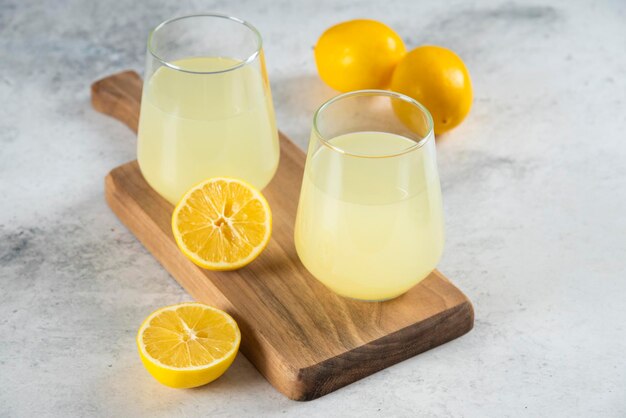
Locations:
(370, 228)
(196, 126)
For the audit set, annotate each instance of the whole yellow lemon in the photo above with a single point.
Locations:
(358, 54)
(437, 78)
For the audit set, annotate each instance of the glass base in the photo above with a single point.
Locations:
(366, 300)
(372, 300)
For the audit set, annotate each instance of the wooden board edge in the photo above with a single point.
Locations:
(318, 380)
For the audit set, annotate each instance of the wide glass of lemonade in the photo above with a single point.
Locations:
(206, 109)
(370, 223)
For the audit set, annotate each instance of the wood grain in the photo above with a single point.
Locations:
(303, 338)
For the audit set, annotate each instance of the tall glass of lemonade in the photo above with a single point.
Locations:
(370, 223)
(206, 109)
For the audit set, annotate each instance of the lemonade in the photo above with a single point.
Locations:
(195, 125)
(370, 228)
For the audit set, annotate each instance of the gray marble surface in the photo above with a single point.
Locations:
(534, 184)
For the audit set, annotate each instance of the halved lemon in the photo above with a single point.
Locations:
(222, 224)
(188, 345)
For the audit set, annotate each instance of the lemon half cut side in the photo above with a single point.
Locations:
(188, 345)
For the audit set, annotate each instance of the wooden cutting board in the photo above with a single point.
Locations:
(303, 338)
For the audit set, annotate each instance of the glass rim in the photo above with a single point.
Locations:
(251, 57)
(373, 92)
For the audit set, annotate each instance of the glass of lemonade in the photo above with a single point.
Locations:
(206, 109)
(370, 219)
